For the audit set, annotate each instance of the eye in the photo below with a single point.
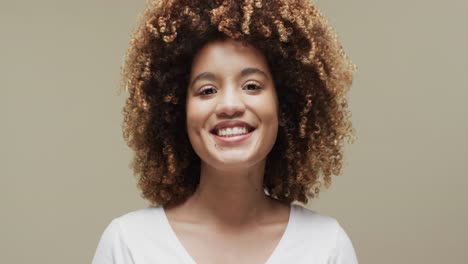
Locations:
(207, 90)
(252, 86)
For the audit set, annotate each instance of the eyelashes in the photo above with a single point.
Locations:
(207, 91)
(254, 85)
(249, 86)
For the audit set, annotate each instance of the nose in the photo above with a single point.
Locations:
(230, 103)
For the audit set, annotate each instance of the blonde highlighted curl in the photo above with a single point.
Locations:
(312, 75)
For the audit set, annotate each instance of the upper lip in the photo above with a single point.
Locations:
(231, 123)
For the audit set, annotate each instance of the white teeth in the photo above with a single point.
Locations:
(235, 131)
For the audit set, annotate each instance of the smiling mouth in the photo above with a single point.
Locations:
(232, 131)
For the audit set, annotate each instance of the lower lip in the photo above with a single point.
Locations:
(234, 139)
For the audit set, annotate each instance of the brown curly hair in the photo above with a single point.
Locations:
(312, 75)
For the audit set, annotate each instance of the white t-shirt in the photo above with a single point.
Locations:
(146, 237)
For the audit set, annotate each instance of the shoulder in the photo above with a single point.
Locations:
(317, 229)
(133, 235)
(135, 220)
(140, 215)
(140, 221)
(325, 233)
(310, 220)
(135, 225)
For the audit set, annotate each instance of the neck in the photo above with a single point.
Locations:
(233, 196)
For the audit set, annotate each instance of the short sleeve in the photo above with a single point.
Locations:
(344, 252)
(112, 247)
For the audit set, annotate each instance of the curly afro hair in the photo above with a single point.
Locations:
(312, 75)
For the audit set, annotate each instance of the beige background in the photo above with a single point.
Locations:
(64, 166)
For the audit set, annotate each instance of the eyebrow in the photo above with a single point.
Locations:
(212, 77)
(249, 71)
(203, 76)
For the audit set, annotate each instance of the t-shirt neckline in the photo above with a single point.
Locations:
(188, 258)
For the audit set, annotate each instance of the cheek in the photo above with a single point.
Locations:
(272, 127)
(270, 117)
(197, 116)
(267, 108)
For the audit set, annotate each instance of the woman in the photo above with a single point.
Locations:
(235, 111)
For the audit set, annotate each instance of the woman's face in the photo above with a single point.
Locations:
(232, 107)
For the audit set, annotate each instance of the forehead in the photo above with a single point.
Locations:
(228, 55)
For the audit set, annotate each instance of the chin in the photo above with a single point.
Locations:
(232, 164)
(233, 160)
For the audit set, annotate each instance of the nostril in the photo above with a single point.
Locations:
(230, 108)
